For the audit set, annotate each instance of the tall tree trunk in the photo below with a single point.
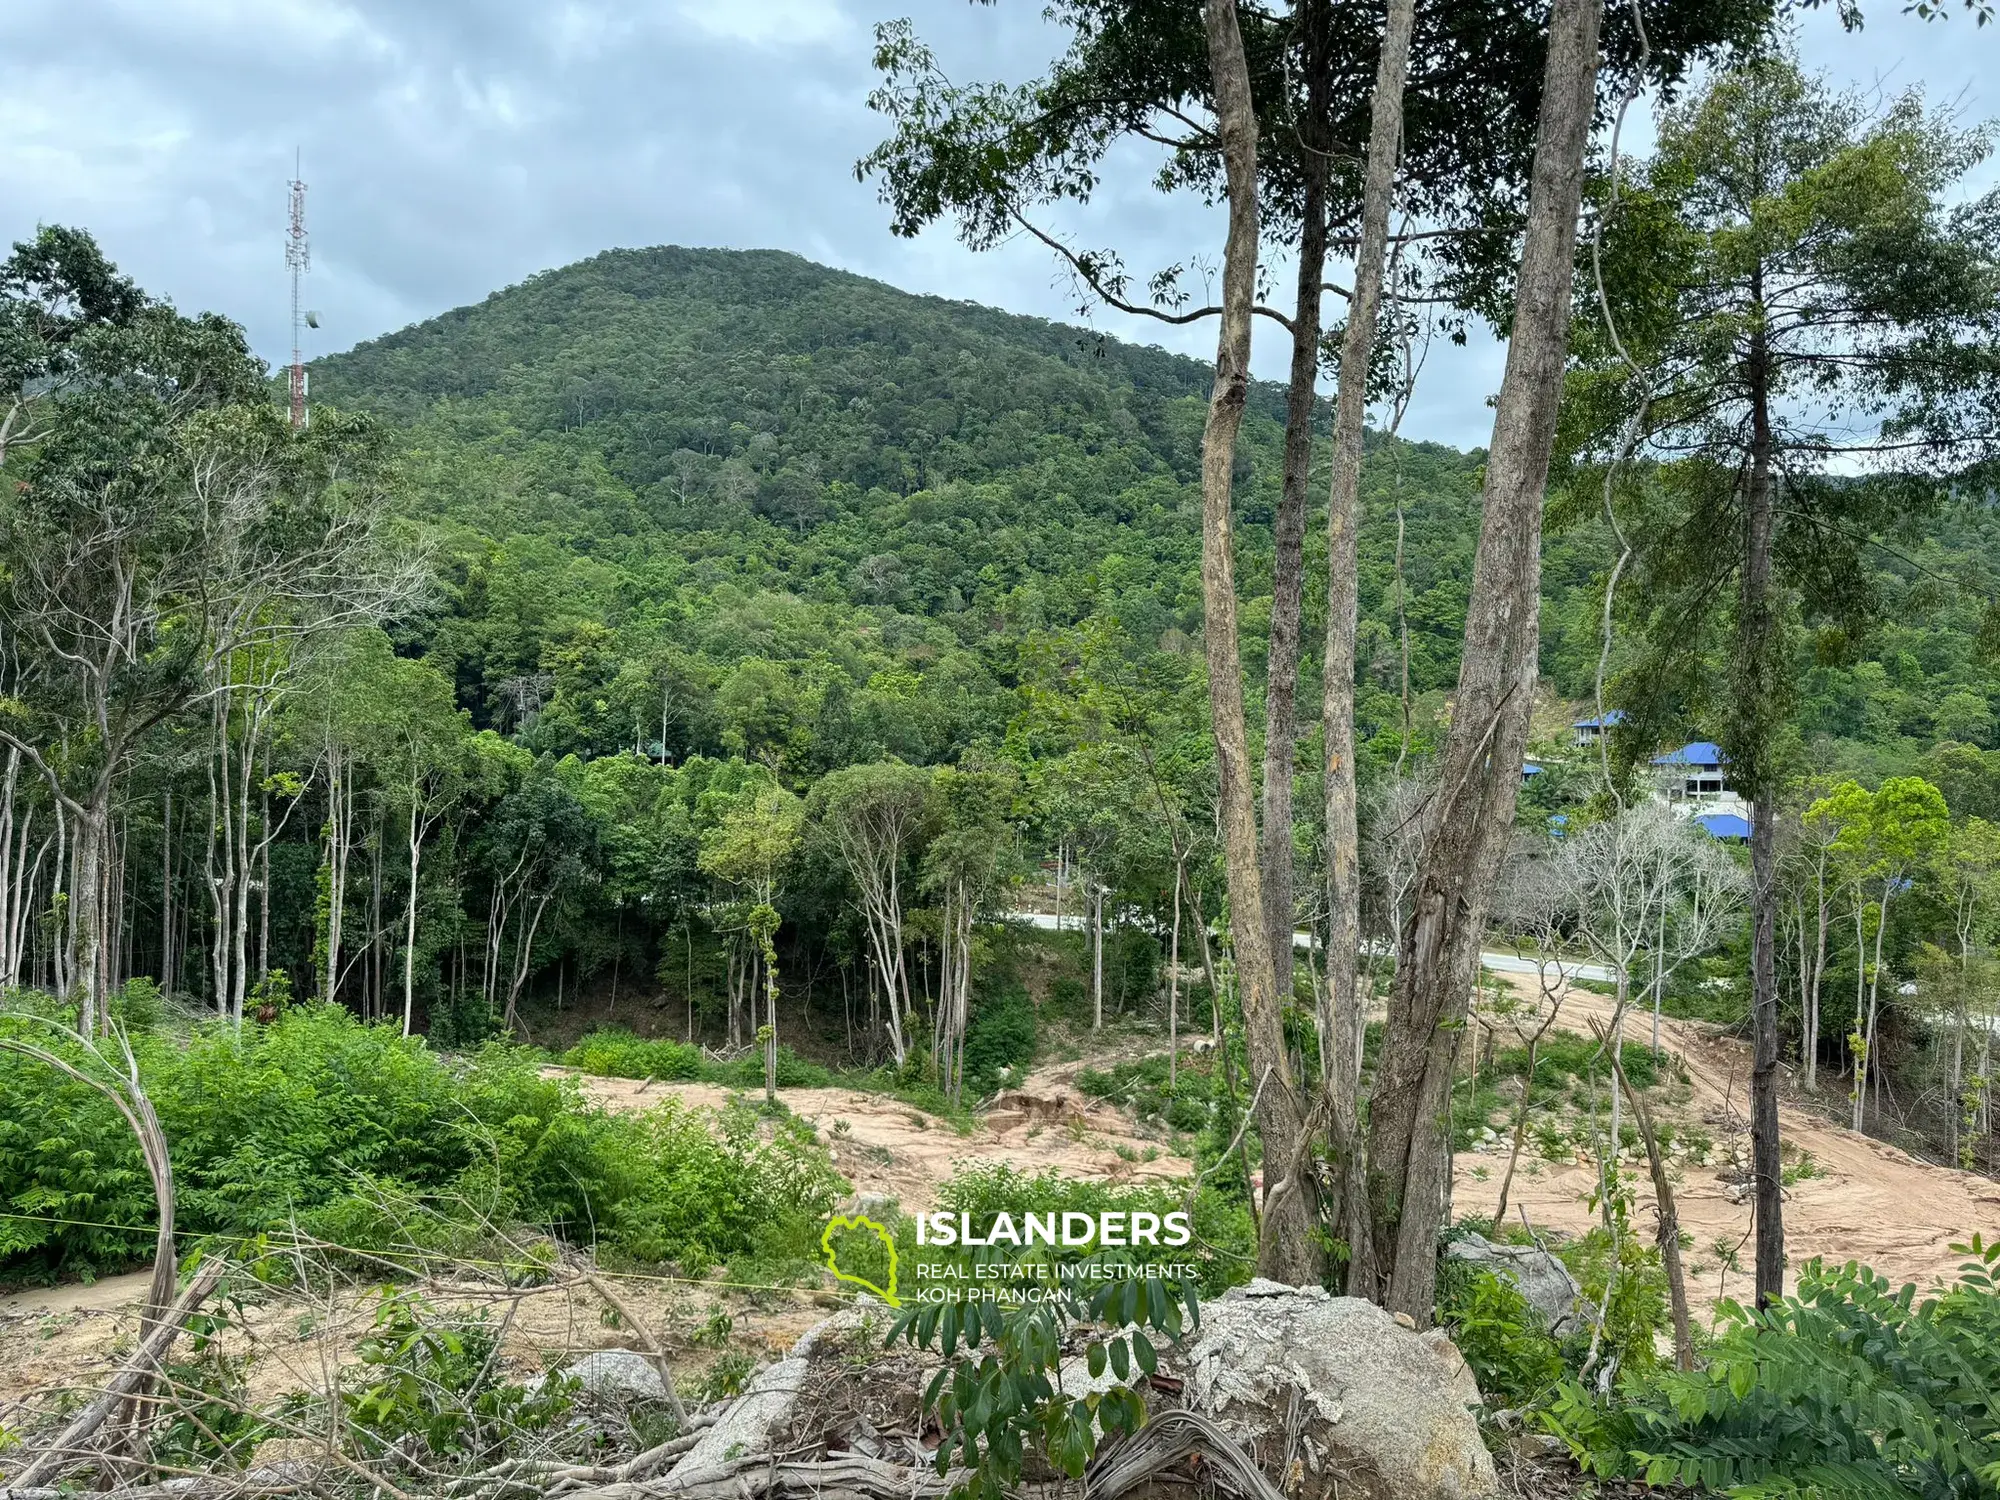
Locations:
(1756, 676)
(410, 917)
(86, 909)
(1343, 524)
(167, 974)
(1096, 956)
(1281, 671)
(1438, 955)
(1287, 1250)
(1174, 986)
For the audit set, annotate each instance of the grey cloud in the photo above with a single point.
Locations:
(455, 146)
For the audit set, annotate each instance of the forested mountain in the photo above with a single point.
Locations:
(840, 511)
(826, 516)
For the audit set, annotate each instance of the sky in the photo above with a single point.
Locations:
(453, 147)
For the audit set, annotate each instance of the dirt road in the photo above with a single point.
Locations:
(1868, 1201)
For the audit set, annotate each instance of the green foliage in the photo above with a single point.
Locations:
(1000, 1389)
(1848, 1388)
(1503, 1338)
(620, 1054)
(439, 1379)
(368, 1138)
(1000, 1035)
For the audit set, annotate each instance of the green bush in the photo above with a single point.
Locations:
(1502, 1337)
(615, 1053)
(368, 1139)
(1850, 1387)
(1000, 1035)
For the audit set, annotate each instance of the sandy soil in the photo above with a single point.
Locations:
(893, 1150)
(1869, 1202)
(72, 1336)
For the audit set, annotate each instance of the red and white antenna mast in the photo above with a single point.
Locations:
(298, 256)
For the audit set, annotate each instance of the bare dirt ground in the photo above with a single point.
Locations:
(1868, 1201)
(888, 1149)
(71, 1336)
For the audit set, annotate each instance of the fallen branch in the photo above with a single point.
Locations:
(847, 1476)
(645, 1336)
(135, 1375)
(1165, 1441)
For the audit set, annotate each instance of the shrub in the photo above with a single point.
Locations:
(1501, 1336)
(616, 1053)
(1849, 1387)
(1000, 1035)
(370, 1140)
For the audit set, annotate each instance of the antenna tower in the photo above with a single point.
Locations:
(298, 257)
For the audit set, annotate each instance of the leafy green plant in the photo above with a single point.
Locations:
(1501, 1336)
(1000, 1392)
(439, 1378)
(726, 1377)
(1848, 1388)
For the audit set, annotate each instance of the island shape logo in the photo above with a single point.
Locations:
(860, 1221)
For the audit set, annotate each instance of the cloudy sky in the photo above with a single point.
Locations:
(455, 146)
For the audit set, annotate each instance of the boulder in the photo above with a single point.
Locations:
(1360, 1405)
(749, 1427)
(1541, 1278)
(621, 1375)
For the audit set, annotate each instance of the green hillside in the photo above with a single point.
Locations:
(840, 509)
(828, 516)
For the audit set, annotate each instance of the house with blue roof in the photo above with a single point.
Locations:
(1694, 782)
(1590, 731)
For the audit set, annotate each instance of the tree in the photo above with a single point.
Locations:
(1287, 1249)
(540, 845)
(965, 866)
(426, 751)
(875, 816)
(162, 521)
(1885, 836)
(1969, 872)
(1480, 772)
(1789, 272)
(752, 843)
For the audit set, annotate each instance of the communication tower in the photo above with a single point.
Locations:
(298, 256)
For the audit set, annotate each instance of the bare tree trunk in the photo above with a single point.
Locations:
(1343, 524)
(1481, 770)
(1520, 1132)
(1670, 1225)
(1287, 1250)
(410, 919)
(1281, 674)
(167, 972)
(1096, 956)
(86, 910)
(1758, 634)
(1174, 987)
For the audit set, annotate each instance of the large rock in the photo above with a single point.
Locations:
(1542, 1279)
(749, 1427)
(1364, 1406)
(621, 1375)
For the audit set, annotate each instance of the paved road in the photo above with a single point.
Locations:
(1501, 963)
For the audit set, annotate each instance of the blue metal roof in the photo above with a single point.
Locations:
(1612, 716)
(1700, 753)
(1531, 769)
(1725, 825)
